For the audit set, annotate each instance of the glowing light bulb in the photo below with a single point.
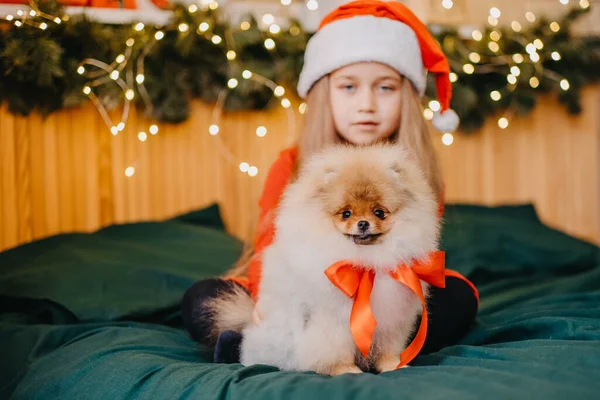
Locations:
(114, 130)
(554, 26)
(246, 74)
(453, 77)
(87, 90)
(232, 83)
(434, 105)
(213, 5)
(130, 42)
(43, 26)
(142, 136)
(534, 82)
(286, 2)
(193, 8)
(538, 44)
(564, 84)
(516, 26)
(114, 75)
(245, 25)
(139, 26)
(495, 12)
(516, 71)
(447, 4)
(503, 123)
(268, 19)
(302, 108)
(535, 57)
(269, 44)
(121, 126)
(279, 91)
(213, 130)
(216, 39)
(511, 79)
(312, 5)
(261, 131)
(495, 35)
(492, 21)
(159, 35)
(120, 58)
(474, 57)
(468, 69)
(231, 55)
(129, 94)
(530, 16)
(129, 171)
(518, 58)
(274, 29)
(203, 27)
(493, 46)
(584, 4)
(253, 171)
(447, 139)
(428, 114)
(153, 129)
(244, 166)
(556, 56)
(140, 78)
(286, 103)
(477, 35)
(564, 2)
(81, 70)
(183, 27)
(495, 95)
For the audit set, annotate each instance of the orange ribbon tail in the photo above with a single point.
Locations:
(358, 283)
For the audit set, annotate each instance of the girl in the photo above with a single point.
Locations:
(364, 72)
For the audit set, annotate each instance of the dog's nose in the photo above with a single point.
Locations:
(363, 225)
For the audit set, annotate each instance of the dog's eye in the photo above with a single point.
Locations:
(346, 214)
(379, 213)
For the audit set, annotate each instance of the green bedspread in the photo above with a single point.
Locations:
(95, 316)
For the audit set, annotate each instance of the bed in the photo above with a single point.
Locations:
(95, 316)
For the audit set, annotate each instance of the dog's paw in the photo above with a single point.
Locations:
(387, 363)
(344, 369)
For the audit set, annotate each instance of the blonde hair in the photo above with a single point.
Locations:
(319, 131)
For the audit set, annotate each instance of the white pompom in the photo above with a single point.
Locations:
(446, 122)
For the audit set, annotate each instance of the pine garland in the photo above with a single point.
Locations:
(38, 67)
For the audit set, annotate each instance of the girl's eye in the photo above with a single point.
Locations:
(346, 214)
(379, 213)
(347, 87)
(386, 88)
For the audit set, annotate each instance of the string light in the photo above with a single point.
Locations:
(213, 5)
(493, 46)
(312, 5)
(474, 57)
(114, 130)
(9, 17)
(495, 12)
(495, 95)
(286, 103)
(268, 19)
(428, 114)
(534, 82)
(556, 56)
(231, 55)
(232, 83)
(87, 90)
(153, 129)
(244, 166)
(129, 94)
(274, 29)
(564, 2)
(530, 48)
(269, 44)
(246, 74)
(279, 91)
(253, 171)
(130, 42)
(453, 77)
(302, 108)
(216, 39)
(159, 35)
(468, 69)
(183, 27)
(193, 8)
(140, 78)
(511, 79)
(120, 58)
(492, 21)
(554, 26)
(503, 123)
(495, 35)
(538, 44)
(43, 26)
(114, 75)
(81, 70)
(261, 131)
(142, 136)
(477, 35)
(129, 171)
(584, 4)
(286, 2)
(516, 71)
(564, 85)
(213, 130)
(204, 26)
(516, 26)
(245, 25)
(139, 26)
(447, 4)
(434, 105)
(518, 58)
(535, 57)
(530, 16)
(447, 139)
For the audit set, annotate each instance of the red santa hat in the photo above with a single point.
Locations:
(380, 31)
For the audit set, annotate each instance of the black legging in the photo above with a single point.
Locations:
(451, 311)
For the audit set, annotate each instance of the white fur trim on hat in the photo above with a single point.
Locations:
(362, 38)
(446, 121)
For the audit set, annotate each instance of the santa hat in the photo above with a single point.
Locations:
(380, 31)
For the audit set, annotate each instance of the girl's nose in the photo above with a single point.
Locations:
(367, 101)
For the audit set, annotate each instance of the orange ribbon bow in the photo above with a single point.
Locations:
(358, 282)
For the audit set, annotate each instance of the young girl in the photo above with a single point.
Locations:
(364, 73)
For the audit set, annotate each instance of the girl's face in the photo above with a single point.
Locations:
(365, 102)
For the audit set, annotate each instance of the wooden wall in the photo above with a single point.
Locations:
(66, 173)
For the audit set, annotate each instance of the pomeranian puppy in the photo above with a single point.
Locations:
(371, 205)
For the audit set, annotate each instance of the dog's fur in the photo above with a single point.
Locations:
(305, 319)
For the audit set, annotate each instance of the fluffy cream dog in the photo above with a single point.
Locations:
(370, 205)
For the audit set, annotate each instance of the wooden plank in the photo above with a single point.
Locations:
(8, 185)
(23, 180)
(36, 165)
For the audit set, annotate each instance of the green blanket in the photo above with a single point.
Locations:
(95, 316)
